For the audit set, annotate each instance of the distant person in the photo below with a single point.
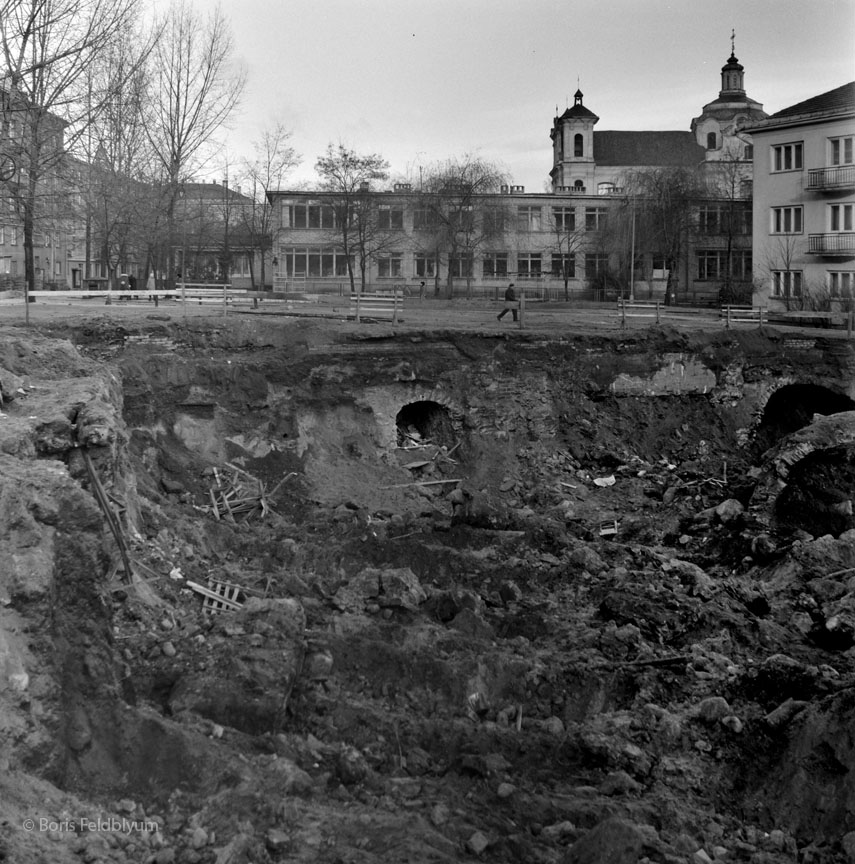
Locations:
(422, 290)
(132, 282)
(510, 303)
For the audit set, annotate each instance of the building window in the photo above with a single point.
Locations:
(712, 264)
(495, 264)
(840, 217)
(390, 266)
(787, 157)
(390, 218)
(424, 217)
(311, 262)
(425, 266)
(564, 265)
(595, 264)
(13, 236)
(711, 140)
(528, 218)
(305, 215)
(579, 186)
(749, 153)
(461, 265)
(528, 264)
(578, 146)
(564, 218)
(840, 150)
(595, 218)
(841, 284)
(786, 283)
(709, 219)
(786, 220)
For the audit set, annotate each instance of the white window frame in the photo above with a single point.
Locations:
(595, 217)
(497, 262)
(390, 266)
(529, 265)
(787, 220)
(529, 218)
(786, 283)
(787, 157)
(390, 217)
(424, 266)
(841, 150)
(841, 284)
(841, 218)
(564, 218)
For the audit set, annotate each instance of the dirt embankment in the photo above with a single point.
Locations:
(507, 600)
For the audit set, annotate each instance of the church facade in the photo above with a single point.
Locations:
(557, 242)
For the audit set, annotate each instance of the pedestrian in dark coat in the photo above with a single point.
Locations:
(510, 303)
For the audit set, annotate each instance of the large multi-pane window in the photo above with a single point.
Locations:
(461, 265)
(495, 264)
(425, 266)
(840, 150)
(529, 264)
(564, 218)
(390, 266)
(528, 218)
(304, 215)
(309, 262)
(840, 217)
(841, 283)
(786, 220)
(390, 217)
(596, 263)
(424, 217)
(712, 264)
(786, 283)
(787, 157)
(721, 218)
(595, 218)
(564, 265)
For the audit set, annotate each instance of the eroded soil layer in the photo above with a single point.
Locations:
(500, 599)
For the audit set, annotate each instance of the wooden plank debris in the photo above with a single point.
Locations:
(241, 496)
(218, 596)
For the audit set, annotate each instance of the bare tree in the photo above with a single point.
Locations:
(348, 175)
(194, 89)
(47, 101)
(567, 240)
(664, 202)
(461, 211)
(273, 159)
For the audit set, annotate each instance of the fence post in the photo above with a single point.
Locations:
(357, 306)
(622, 305)
(395, 295)
(657, 311)
(727, 319)
(850, 319)
(522, 308)
(225, 299)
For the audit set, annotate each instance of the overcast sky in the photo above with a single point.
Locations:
(419, 81)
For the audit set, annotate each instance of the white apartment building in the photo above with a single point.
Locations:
(804, 204)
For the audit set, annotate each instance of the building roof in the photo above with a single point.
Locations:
(839, 100)
(647, 148)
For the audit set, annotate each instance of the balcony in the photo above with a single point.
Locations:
(831, 179)
(832, 244)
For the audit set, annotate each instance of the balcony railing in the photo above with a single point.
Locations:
(842, 177)
(832, 244)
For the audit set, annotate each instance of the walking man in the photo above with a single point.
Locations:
(510, 303)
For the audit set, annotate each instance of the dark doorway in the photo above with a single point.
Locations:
(425, 422)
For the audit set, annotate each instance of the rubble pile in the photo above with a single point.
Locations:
(563, 631)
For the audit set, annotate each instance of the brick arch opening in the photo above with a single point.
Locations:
(425, 420)
(792, 407)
